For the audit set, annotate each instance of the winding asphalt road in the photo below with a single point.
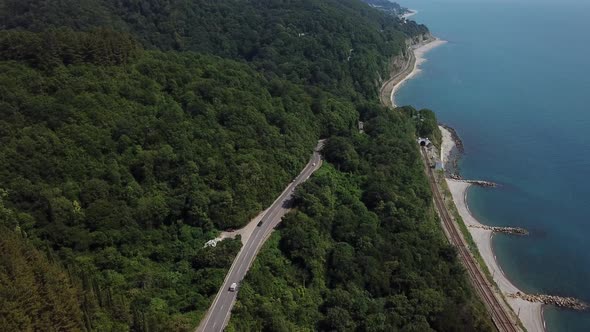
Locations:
(218, 314)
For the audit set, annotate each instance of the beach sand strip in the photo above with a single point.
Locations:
(419, 53)
(530, 314)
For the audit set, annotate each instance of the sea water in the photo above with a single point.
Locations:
(514, 81)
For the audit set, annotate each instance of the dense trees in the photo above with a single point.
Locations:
(131, 132)
(425, 122)
(125, 172)
(363, 251)
(35, 293)
(65, 46)
(340, 45)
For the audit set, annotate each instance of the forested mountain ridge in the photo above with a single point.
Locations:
(133, 131)
(306, 41)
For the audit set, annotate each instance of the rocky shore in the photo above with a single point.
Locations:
(455, 137)
(452, 152)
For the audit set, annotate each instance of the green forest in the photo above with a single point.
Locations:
(363, 250)
(131, 132)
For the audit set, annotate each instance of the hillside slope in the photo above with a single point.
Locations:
(363, 250)
(133, 131)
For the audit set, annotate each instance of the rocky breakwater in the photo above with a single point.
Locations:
(480, 183)
(508, 230)
(559, 301)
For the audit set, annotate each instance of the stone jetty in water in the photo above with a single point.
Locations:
(559, 301)
(508, 230)
(480, 183)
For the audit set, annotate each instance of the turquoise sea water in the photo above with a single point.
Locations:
(514, 81)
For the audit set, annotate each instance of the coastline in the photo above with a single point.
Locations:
(419, 53)
(411, 12)
(530, 314)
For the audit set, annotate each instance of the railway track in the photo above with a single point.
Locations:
(408, 66)
(501, 318)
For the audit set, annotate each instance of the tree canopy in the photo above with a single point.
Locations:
(131, 132)
(363, 250)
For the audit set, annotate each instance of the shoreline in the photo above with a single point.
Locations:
(419, 51)
(450, 151)
(411, 12)
(530, 314)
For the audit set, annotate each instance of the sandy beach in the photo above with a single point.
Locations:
(530, 314)
(419, 53)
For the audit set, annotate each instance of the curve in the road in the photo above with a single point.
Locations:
(218, 314)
